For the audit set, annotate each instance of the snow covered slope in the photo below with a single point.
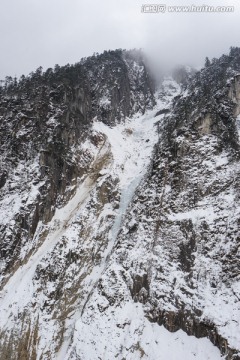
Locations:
(125, 333)
(120, 221)
(60, 278)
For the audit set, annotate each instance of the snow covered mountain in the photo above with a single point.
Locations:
(119, 212)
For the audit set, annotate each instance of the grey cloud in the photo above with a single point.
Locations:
(46, 32)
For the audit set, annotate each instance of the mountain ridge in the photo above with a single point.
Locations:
(117, 193)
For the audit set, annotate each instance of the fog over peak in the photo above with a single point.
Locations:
(42, 33)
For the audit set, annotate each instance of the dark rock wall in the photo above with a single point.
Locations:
(45, 117)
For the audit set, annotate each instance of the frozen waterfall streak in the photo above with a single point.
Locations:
(137, 152)
(126, 197)
(22, 280)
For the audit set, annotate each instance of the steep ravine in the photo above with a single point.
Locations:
(113, 323)
(61, 275)
(131, 146)
(178, 248)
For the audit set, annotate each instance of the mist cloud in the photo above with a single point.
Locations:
(44, 33)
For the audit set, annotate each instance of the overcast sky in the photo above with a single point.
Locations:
(37, 33)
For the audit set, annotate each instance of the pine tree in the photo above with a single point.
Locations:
(207, 62)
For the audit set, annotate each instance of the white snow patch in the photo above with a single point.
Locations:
(126, 333)
(195, 215)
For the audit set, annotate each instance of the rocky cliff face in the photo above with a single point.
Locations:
(44, 120)
(120, 211)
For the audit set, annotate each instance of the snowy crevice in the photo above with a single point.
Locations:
(131, 147)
